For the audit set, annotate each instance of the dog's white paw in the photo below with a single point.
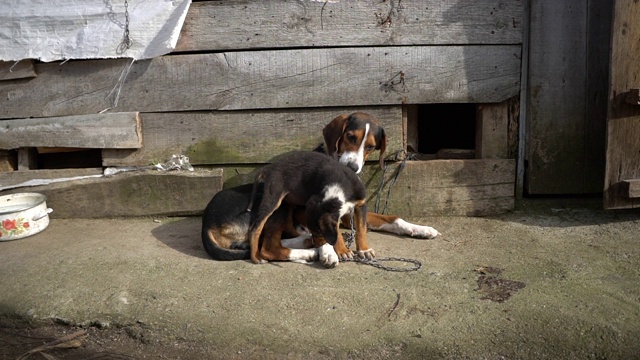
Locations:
(328, 256)
(301, 242)
(368, 254)
(304, 256)
(402, 227)
(424, 232)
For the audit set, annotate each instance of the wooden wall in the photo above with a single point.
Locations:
(250, 80)
(568, 72)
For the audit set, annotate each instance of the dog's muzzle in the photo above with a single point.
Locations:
(351, 161)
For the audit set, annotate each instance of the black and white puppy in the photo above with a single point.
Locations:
(325, 188)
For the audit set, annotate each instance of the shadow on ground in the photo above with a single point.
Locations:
(182, 235)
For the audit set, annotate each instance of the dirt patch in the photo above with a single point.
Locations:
(52, 340)
(493, 287)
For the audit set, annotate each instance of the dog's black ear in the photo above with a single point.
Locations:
(322, 218)
(328, 224)
(381, 144)
(332, 133)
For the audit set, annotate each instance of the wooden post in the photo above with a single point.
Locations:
(27, 158)
(492, 131)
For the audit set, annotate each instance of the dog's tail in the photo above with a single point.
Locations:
(218, 252)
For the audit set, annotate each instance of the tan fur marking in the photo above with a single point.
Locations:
(375, 221)
(361, 230)
(254, 237)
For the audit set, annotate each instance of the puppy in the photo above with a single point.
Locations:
(327, 190)
(351, 139)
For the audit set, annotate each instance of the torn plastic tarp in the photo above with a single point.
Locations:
(50, 30)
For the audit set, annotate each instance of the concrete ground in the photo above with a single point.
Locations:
(554, 279)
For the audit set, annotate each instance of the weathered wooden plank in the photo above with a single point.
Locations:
(513, 128)
(223, 137)
(429, 188)
(623, 119)
(596, 95)
(557, 73)
(17, 177)
(631, 188)
(27, 158)
(132, 194)
(226, 25)
(492, 131)
(450, 187)
(10, 70)
(271, 79)
(98, 131)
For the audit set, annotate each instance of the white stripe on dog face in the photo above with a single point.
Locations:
(335, 192)
(356, 158)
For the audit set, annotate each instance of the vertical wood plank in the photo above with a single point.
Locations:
(410, 125)
(623, 119)
(557, 73)
(598, 46)
(27, 159)
(492, 131)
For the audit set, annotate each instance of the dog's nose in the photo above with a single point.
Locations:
(353, 166)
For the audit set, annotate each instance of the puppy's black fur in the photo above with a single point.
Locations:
(307, 179)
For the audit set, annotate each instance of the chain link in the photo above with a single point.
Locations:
(126, 39)
(349, 239)
(376, 263)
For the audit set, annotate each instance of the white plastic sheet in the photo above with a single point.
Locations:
(50, 30)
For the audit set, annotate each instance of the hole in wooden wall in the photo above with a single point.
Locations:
(68, 158)
(442, 131)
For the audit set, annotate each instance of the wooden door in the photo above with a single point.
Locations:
(622, 177)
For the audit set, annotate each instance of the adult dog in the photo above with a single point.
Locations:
(348, 138)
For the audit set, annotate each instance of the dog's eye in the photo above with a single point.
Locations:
(352, 138)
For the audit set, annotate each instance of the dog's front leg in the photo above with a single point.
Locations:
(362, 247)
(326, 253)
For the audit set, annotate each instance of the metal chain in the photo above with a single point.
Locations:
(376, 263)
(126, 39)
(349, 239)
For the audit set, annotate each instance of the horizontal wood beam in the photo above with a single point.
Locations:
(12, 178)
(270, 79)
(11, 70)
(98, 131)
(449, 187)
(631, 188)
(227, 25)
(429, 188)
(239, 137)
(144, 193)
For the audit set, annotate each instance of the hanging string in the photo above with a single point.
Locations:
(118, 87)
